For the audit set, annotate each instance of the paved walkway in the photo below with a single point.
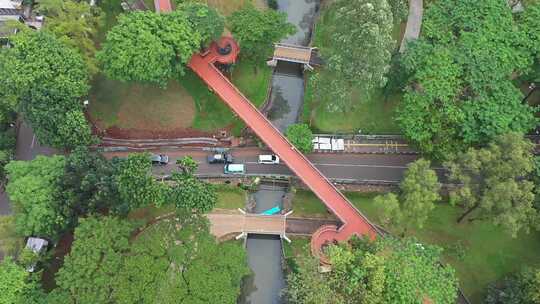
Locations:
(414, 23)
(354, 222)
(222, 224)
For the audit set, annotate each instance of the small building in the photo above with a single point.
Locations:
(37, 246)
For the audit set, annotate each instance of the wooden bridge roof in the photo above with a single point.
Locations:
(294, 53)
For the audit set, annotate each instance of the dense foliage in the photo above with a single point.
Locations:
(136, 185)
(150, 47)
(16, 285)
(386, 271)
(491, 185)
(189, 193)
(176, 260)
(301, 137)
(257, 30)
(460, 86)
(357, 44)
(47, 79)
(205, 20)
(419, 190)
(519, 288)
(74, 23)
(34, 194)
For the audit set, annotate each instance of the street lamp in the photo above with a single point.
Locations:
(532, 87)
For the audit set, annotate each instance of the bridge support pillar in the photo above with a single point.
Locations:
(283, 236)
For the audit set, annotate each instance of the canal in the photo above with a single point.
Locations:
(264, 252)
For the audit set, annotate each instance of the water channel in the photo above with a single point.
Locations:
(265, 252)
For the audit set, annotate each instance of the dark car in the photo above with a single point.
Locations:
(220, 158)
(159, 159)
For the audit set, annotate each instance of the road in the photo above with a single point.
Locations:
(335, 166)
(27, 148)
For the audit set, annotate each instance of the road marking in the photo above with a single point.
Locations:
(352, 165)
(33, 140)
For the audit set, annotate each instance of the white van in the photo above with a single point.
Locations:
(268, 159)
(234, 169)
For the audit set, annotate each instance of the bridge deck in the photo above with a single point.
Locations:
(354, 222)
(224, 224)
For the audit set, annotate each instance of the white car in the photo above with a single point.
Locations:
(270, 159)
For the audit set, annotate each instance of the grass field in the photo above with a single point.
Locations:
(137, 106)
(298, 247)
(230, 197)
(480, 252)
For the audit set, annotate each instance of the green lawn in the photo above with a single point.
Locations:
(488, 253)
(141, 107)
(230, 197)
(299, 246)
(306, 204)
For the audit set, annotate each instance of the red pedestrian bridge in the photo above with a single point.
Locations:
(354, 222)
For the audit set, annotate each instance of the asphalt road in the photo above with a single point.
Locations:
(340, 166)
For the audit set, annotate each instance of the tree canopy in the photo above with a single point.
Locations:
(136, 185)
(16, 285)
(48, 80)
(257, 30)
(460, 86)
(175, 260)
(356, 41)
(188, 192)
(386, 271)
(153, 48)
(301, 137)
(419, 190)
(33, 191)
(491, 183)
(74, 23)
(518, 288)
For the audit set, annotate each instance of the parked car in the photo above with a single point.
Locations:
(268, 159)
(234, 169)
(220, 158)
(159, 159)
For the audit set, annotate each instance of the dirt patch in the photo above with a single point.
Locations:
(227, 7)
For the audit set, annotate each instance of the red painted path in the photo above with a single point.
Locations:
(354, 222)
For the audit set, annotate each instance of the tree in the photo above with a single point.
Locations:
(205, 20)
(48, 80)
(301, 137)
(419, 190)
(400, 9)
(517, 288)
(490, 183)
(87, 185)
(386, 271)
(150, 47)
(358, 56)
(97, 256)
(189, 193)
(136, 185)
(74, 23)
(34, 193)
(460, 89)
(15, 284)
(256, 31)
(174, 260)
